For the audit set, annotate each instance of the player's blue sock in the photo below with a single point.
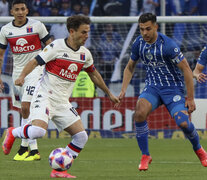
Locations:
(192, 135)
(142, 131)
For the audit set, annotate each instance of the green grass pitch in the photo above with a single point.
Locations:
(111, 159)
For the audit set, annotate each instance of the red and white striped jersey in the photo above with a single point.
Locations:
(63, 64)
(24, 41)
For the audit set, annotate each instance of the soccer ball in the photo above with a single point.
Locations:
(60, 159)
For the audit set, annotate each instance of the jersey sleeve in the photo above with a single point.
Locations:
(135, 50)
(49, 53)
(203, 57)
(43, 33)
(88, 66)
(3, 39)
(174, 53)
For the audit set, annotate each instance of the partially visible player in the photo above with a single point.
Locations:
(200, 65)
(24, 35)
(63, 59)
(163, 85)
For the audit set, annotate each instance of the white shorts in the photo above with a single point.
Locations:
(44, 108)
(25, 93)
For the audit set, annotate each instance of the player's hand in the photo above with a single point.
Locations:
(114, 99)
(121, 96)
(201, 77)
(19, 81)
(1, 85)
(190, 103)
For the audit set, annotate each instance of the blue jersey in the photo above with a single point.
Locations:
(160, 60)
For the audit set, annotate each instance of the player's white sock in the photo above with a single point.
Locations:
(33, 144)
(17, 132)
(35, 132)
(25, 142)
(77, 144)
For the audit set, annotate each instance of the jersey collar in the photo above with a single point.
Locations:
(21, 25)
(69, 45)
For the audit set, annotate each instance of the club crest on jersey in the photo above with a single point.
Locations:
(149, 55)
(82, 56)
(176, 98)
(45, 49)
(29, 29)
(176, 50)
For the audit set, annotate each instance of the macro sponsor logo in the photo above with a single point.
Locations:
(69, 72)
(73, 67)
(21, 46)
(21, 42)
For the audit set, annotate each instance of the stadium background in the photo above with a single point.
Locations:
(98, 115)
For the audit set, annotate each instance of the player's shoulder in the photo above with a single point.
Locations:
(138, 40)
(57, 43)
(7, 26)
(167, 41)
(32, 21)
(83, 48)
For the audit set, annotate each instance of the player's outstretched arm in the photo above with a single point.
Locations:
(188, 77)
(197, 73)
(128, 73)
(27, 69)
(2, 51)
(98, 81)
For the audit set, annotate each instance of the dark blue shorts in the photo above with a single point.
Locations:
(172, 97)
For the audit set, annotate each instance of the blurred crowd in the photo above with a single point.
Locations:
(108, 7)
(106, 41)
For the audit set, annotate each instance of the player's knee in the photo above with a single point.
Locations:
(25, 111)
(182, 119)
(183, 125)
(140, 116)
(80, 139)
(35, 132)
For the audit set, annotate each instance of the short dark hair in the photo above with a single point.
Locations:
(77, 20)
(19, 2)
(147, 17)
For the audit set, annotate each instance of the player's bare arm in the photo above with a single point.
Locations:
(188, 77)
(98, 81)
(2, 51)
(30, 66)
(198, 75)
(128, 73)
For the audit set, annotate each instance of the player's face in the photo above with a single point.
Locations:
(148, 31)
(19, 11)
(81, 35)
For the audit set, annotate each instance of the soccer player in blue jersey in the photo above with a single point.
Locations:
(164, 84)
(200, 65)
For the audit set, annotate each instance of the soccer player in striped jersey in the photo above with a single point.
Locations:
(164, 84)
(24, 35)
(63, 59)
